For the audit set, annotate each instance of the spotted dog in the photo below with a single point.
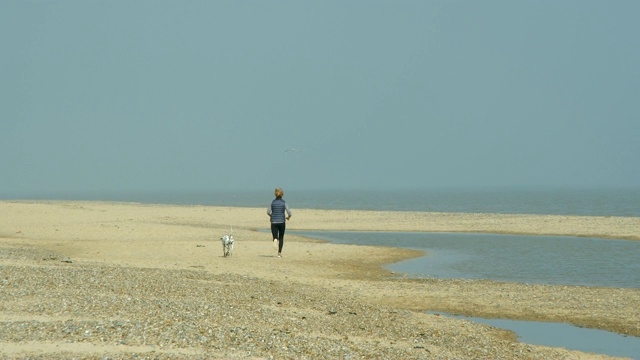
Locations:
(227, 245)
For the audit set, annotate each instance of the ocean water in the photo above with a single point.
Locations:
(598, 202)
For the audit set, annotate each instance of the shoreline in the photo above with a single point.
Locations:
(602, 227)
(80, 238)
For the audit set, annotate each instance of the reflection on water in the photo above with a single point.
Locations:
(566, 336)
(525, 259)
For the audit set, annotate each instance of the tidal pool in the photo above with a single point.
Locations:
(565, 336)
(523, 259)
(554, 260)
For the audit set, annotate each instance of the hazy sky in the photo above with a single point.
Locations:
(197, 95)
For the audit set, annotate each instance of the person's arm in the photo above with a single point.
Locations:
(286, 207)
(269, 211)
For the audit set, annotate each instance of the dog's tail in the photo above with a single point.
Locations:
(231, 233)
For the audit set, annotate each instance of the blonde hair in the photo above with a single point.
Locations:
(278, 193)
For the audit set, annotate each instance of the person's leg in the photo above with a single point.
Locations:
(281, 238)
(275, 232)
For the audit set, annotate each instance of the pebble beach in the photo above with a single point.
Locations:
(97, 280)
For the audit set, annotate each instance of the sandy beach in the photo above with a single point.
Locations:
(97, 280)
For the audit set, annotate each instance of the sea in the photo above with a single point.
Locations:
(555, 201)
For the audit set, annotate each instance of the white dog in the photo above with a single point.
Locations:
(227, 244)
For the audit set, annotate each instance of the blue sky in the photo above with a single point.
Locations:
(115, 96)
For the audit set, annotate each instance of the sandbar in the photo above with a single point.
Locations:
(96, 279)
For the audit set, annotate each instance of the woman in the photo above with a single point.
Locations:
(278, 221)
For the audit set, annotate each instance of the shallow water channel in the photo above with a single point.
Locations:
(565, 336)
(522, 259)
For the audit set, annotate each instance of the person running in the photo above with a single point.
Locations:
(276, 213)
